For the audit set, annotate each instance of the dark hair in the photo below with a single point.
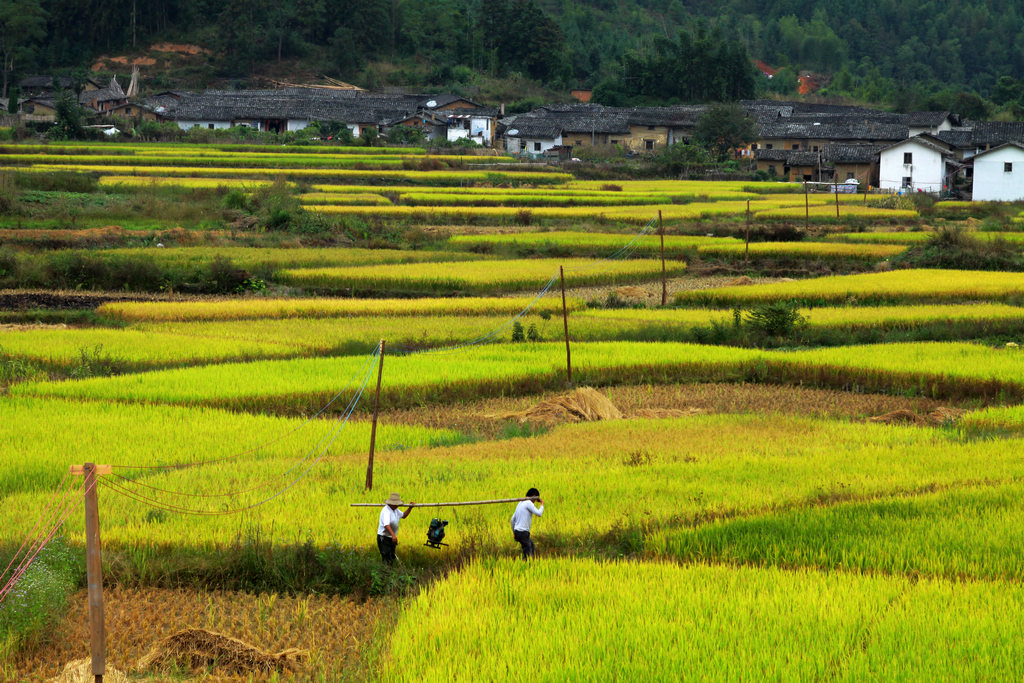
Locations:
(532, 493)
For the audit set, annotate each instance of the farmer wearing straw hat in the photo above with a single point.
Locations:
(387, 527)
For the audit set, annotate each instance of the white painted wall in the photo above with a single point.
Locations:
(477, 128)
(297, 124)
(992, 183)
(186, 125)
(926, 170)
(532, 147)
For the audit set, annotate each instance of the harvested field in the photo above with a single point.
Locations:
(332, 630)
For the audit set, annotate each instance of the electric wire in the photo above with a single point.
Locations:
(269, 481)
(210, 513)
(32, 530)
(253, 449)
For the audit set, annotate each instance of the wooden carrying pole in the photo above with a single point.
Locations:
(94, 569)
(664, 282)
(565, 322)
(445, 505)
(373, 425)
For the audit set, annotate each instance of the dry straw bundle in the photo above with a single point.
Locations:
(198, 648)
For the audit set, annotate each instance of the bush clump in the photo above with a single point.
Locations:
(955, 249)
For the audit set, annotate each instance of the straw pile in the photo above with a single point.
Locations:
(80, 671)
(198, 648)
(903, 416)
(582, 405)
(632, 292)
(741, 280)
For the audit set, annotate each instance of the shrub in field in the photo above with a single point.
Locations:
(954, 248)
(777, 319)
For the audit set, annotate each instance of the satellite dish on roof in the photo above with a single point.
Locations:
(432, 103)
(514, 131)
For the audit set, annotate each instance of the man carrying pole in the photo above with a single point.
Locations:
(522, 520)
(387, 527)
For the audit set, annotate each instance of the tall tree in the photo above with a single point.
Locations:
(22, 26)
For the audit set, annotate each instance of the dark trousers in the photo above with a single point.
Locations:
(523, 539)
(386, 545)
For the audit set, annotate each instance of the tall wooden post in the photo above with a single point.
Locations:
(835, 189)
(565, 322)
(664, 281)
(94, 572)
(746, 249)
(807, 208)
(373, 425)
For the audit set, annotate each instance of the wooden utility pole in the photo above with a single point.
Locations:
(835, 189)
(807, 208)
(373, 425)
(664, 282)
(746, 250)
(93, 566)
(565, 322)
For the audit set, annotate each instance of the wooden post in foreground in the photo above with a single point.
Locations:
(373, 425)
(664, 282)
(93, 567)
(746, 249)
(835, 188)
(565, 322)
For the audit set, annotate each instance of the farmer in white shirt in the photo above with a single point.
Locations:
(387, 527)
(523, 518)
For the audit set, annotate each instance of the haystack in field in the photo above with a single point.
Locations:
(582, 405)
(632, 292)
(900, 417)
(741, 280)
(80, 671)
(198, 648)
(667, 413)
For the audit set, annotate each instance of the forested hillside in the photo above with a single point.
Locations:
(902, 52)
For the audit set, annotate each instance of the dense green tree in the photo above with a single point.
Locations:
(724, 128)
(22, 27)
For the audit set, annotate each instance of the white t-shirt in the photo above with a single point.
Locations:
(524, 513)
(389, 517)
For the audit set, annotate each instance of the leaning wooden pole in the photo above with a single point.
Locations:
(565, 323)
(373, 425)
(664, 281)
(94, 572)
(835, 189)
(807, 208)
(448, 505)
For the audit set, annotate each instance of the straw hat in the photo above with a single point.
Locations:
(394, 499)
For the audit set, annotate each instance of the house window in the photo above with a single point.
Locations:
(849, 175)
(1007, 167)
(615, 142)
(772, 171)
(796, 146)
(768, 146)
(908, 157)
(908, 181)
(753, 146)
(650, 127)
(536, 147)
(648, 144)
(815, 148)
(210, 126)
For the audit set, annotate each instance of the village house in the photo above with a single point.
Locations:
(39, 109)
(134, 111)
(999, 173)
(104, 99)
(853, 162)
(918, 164)
(797, 165)
(47, 85)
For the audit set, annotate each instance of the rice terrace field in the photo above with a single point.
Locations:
(778, 436)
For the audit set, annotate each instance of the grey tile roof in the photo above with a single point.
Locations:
(791, 157)
(838, 153)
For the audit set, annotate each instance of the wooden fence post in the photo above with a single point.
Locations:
(807, 208)
(373, 425)
(94, 572)
(664, 281)
(565, 322)
(835, 189)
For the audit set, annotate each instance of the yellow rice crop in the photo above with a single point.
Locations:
(808, 249)
(247, 309)
(919, 285)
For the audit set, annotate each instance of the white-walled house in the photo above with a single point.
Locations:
(916, 165)
(999, 174)
(476, 124)
(532, 137)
